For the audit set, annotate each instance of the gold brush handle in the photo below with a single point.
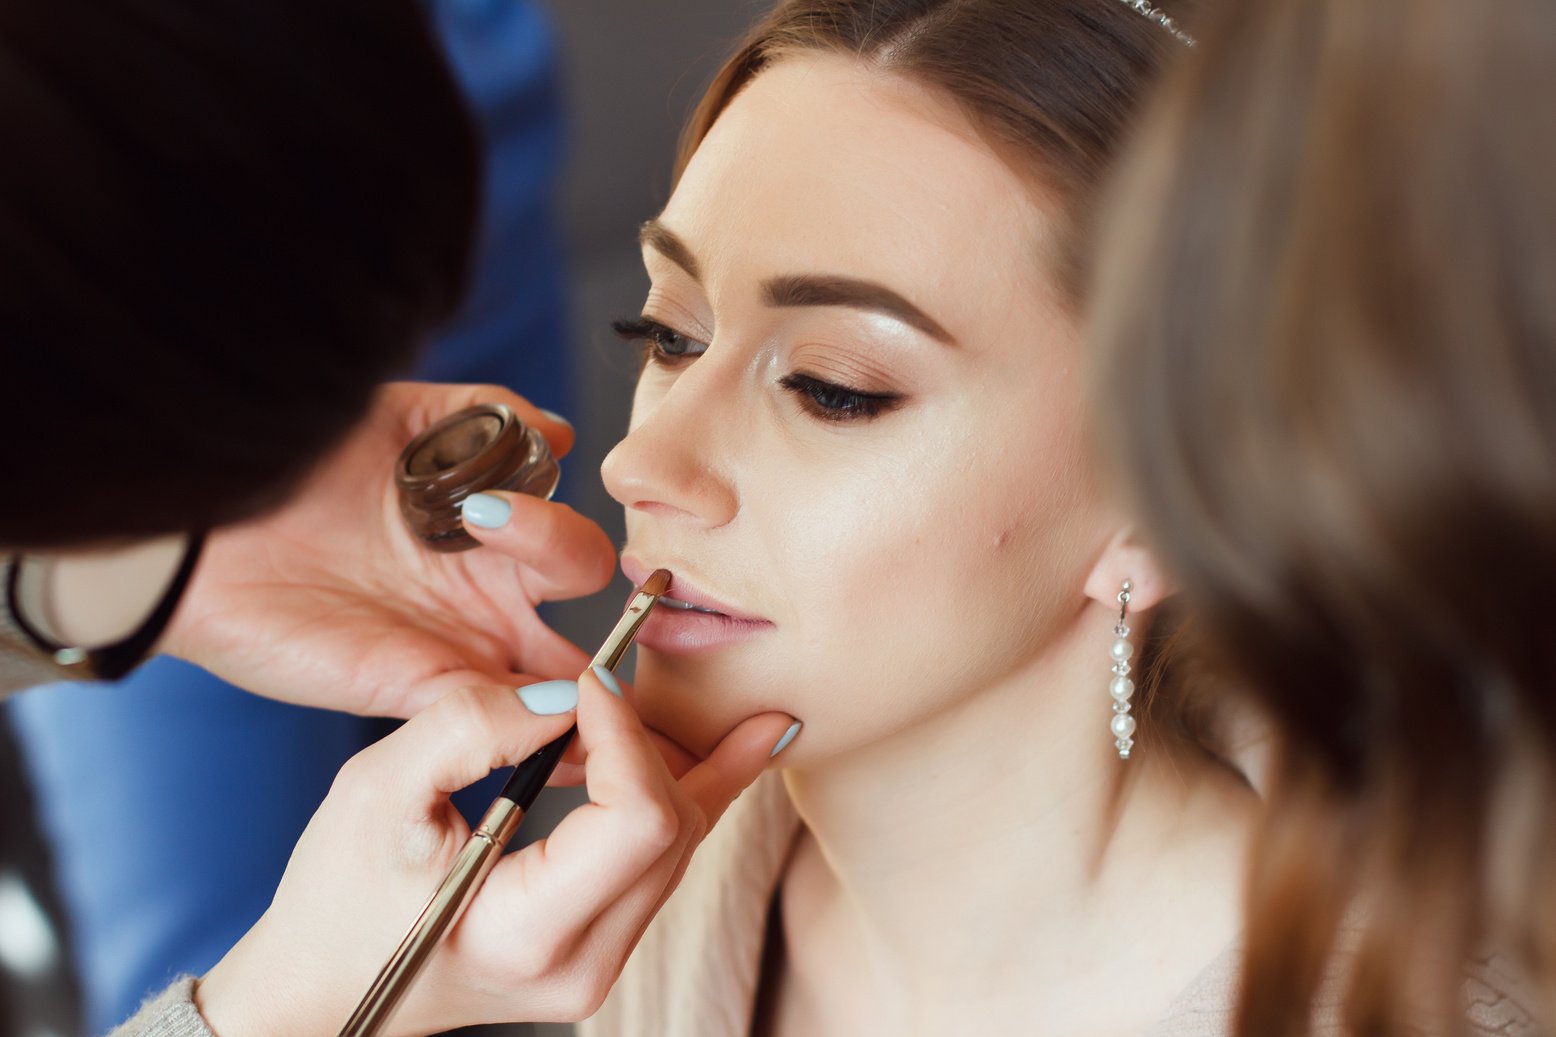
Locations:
(479, 855)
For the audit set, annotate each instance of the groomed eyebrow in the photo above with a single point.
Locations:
(833, 290)
(663, 240)
(805, 289)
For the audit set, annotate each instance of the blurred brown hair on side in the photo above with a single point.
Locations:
(1326, 312)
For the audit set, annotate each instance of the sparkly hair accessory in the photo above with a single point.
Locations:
(1160, 17)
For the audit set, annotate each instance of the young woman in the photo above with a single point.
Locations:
(859, 443)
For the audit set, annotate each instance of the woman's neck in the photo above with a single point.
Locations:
(976, 866)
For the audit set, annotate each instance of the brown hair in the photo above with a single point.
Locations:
(1055, 83)
(1328, 310)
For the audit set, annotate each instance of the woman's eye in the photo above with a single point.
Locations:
(832, 402)
(661, 343)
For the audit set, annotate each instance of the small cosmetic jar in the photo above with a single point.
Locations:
(485, 447)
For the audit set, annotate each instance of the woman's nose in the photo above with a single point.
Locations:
(671, 461)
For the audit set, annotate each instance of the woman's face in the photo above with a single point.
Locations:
(858, 432)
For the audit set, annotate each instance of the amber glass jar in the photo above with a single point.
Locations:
(485, 447)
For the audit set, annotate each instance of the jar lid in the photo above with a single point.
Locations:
(479, 448)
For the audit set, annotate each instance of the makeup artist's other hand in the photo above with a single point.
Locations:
(547, 934)
(330, 602)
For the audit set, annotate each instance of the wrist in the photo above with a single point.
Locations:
(222, 1006)
(241, 997)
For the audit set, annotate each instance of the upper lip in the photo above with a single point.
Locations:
(682, 589)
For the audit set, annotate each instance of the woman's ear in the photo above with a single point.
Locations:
(1125, 558)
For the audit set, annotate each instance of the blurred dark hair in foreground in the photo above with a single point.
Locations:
(221, 223)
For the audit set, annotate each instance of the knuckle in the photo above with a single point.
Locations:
(654, 826)
(355, 779)
(540, 960)
(466, 717)
(590, 994)
(582, 992)
(697, 827)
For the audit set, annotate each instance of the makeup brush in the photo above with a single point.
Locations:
(486, 843)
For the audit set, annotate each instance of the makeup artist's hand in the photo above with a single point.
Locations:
(550, 930)
(330, 602)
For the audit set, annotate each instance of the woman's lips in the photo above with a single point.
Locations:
(689, 620)
(678, 632)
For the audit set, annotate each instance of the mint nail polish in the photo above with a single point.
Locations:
(608, 679)
(788, 736)
(486, 511)
(549, 698)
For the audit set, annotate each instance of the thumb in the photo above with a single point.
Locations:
(569, 552)
(737, 761)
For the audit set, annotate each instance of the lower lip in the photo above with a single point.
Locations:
(683, 632)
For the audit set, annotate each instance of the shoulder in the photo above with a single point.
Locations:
(1207, 1006)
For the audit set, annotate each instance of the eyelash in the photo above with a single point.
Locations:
(655, 338)
(832, 402)
(827, 401)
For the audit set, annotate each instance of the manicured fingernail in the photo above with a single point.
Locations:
(550, 697)
(486, 511)
(788, 736)
(608, 679)
(554, 416)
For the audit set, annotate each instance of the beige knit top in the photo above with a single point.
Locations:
(695, 973)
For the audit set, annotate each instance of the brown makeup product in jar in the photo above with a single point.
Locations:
(485, 447)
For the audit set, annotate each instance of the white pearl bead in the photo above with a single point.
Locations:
(1122, 688)
(1123, 725)
(1122, 649)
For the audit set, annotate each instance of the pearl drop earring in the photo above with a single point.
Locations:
(1122, 688)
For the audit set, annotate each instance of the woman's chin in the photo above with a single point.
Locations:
(692, 705)
(694, 730)
(668, 701)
